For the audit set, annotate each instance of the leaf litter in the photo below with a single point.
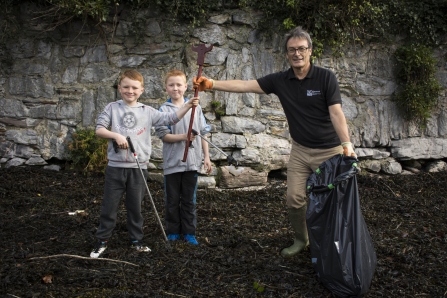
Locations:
(48, 220)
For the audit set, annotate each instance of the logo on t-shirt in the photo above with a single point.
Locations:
(313, 92)
(129, 120)
(129, 124)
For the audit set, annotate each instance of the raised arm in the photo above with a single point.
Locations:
(189, 104)
(238, 86)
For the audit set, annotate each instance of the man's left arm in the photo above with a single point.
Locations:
(341, 128)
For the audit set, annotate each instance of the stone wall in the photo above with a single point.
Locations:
(60, 80)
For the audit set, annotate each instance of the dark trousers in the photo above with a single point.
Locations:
(180, 195)
(117, 182)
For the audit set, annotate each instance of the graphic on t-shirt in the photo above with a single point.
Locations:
(129, 120)
(313, 92)
(129, 125)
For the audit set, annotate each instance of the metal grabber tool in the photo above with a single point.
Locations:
(201, 50)
(232, 163)
(132, 149)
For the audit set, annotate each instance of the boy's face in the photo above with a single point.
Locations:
(176, 87)
(130, 91)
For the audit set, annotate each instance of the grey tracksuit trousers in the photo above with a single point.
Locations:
(117, 182)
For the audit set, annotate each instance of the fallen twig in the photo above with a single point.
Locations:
(171, 294)
(389, 189)
(84, 258)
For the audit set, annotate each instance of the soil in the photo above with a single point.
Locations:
(44, 250)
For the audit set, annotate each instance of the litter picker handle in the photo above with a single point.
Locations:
(201, 50)
(132, 148)
(115, 145)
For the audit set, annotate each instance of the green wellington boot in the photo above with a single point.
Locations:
(297, 218)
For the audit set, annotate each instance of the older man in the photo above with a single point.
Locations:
(311, 100)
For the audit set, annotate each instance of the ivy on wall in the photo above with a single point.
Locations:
(332, 23)
(419, 88)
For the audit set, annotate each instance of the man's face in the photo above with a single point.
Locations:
(130, 90)
(298, 52)
(176, 87)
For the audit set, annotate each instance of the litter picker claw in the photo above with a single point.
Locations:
(230, 159)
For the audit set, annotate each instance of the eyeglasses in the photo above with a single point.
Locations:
(301, 50)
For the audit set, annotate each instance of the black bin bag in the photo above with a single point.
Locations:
(341, 248)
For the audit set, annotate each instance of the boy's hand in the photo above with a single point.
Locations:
(192, 137)
(202, 83)
(193, 102)
(121, 141)
(207, 165)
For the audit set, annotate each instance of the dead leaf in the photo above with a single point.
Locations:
(48, 279)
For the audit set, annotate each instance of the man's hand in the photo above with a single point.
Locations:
(348, 150)
(202, 83)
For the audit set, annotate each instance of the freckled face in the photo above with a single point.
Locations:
(176, 87)
(298, 60)
(130, 91)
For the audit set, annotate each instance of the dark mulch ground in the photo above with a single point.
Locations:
(240, 233)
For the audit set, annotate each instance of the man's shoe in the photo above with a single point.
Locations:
(100, 247)
(173, 237)
(191, 239)
(140, 247)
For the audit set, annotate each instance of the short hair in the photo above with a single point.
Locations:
(133, 75)
(300, 33)
(175, 73)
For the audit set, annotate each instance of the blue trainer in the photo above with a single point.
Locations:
(173, 237)
(191, 239)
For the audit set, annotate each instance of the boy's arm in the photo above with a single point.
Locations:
(206, 156)
(189, 104)
(173, 138)
(104, 133)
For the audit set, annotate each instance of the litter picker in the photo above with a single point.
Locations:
(132, 149)
(201, 50)
(232, 163)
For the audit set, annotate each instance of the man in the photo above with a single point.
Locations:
(311, 100)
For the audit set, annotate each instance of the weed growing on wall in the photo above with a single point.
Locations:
(87, 152)
(419, 88)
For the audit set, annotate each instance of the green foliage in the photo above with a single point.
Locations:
(97, 10)
(218, 109)
(419, 87)
(258, 287)
(332, 23)
(87, 151)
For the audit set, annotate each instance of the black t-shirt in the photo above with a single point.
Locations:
(306, 104)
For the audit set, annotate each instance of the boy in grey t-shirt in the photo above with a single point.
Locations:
(181, 178)
(119, 120)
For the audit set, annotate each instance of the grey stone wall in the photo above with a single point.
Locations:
(58, 81)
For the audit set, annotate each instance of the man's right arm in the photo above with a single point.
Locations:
(238, 86)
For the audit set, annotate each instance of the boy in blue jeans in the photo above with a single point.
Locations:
(180, 177)
(120, 119)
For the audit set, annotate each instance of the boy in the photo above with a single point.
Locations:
(127, 117)
(181, 178)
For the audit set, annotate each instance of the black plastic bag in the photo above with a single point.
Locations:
(341, 248)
